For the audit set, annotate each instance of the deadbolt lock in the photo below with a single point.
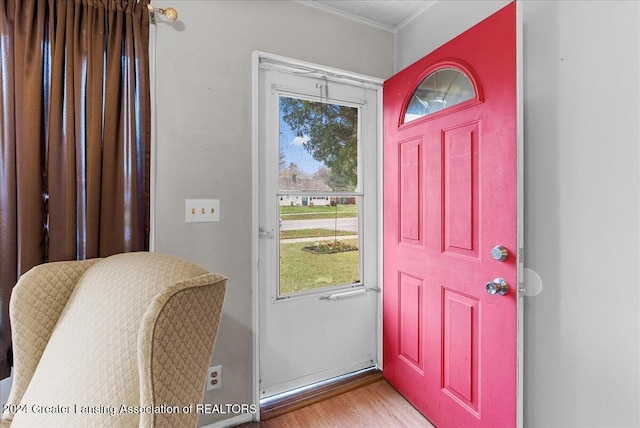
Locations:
(500, 253)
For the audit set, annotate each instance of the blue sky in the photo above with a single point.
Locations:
(293, 151)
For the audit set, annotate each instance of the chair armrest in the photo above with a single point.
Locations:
(175, 344)
(37, 301)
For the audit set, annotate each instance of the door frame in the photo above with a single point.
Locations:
(256, 55)
(520, 214)
(372, 83)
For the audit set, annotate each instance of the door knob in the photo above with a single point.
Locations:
(497, 286)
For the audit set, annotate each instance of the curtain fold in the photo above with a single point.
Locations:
(74, 140)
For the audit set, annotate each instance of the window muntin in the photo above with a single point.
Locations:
(441, 89)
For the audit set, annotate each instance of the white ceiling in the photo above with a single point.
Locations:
(390, 15)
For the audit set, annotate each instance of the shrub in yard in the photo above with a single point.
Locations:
(329, 247)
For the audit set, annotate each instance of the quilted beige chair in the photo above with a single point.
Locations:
(123, 341)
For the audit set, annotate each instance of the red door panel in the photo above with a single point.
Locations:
(449, 199)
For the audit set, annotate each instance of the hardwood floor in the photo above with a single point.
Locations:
(377, 405)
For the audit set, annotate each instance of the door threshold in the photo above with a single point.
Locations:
(276, 405)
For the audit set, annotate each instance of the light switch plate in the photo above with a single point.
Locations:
(201, 210)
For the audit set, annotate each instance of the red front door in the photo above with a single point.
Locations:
(450, 160)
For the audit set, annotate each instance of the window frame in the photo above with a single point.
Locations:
(457, 65)
(358, 193)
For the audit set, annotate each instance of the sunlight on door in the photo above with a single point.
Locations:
(318, 195)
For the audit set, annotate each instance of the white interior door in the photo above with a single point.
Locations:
(318, 219)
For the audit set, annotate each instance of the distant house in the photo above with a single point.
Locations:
(304, 200)
(294, 186)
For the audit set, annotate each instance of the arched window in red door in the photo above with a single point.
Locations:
(441, 89)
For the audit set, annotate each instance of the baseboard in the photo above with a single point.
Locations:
(313, 395)
(231, 422)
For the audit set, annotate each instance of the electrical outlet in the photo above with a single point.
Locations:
(201, 210)
(214, 378)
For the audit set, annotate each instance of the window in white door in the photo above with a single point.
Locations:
(318, 195)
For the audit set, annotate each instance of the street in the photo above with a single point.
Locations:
(349, 224)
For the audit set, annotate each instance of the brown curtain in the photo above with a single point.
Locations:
(74, 135)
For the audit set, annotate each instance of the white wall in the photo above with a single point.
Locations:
(204, 138)
(5, 388)
(582, 197)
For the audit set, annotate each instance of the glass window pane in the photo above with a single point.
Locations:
(441, 89)
(319, 242)
(318, 146)
(319, 238)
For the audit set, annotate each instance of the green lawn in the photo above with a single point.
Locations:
(300, 270)
(313, 212)
(312, 233)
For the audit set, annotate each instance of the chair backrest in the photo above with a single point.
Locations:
(131, 346)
